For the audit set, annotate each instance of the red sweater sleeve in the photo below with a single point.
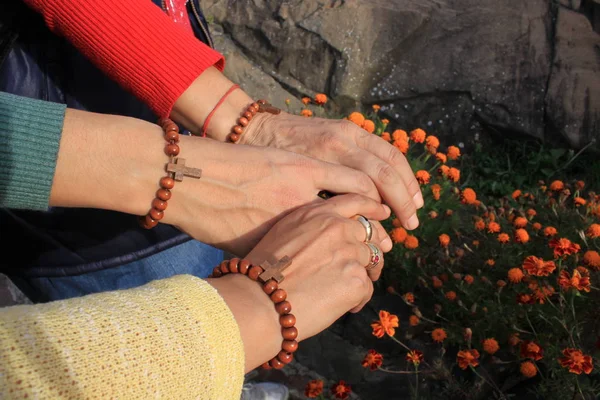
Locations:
(133, 42)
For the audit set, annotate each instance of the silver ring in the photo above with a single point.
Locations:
(367, 225)
(375, 256)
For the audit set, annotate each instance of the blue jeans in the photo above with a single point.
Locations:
(192, 257)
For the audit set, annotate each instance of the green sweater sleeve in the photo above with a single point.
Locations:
(29, 140)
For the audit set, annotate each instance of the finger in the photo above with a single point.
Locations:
(367, 285)
(340, 179)
(389, 183)
(350, 205)
(374, 272)
(394, 157)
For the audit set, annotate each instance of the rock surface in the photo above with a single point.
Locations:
(451, 67)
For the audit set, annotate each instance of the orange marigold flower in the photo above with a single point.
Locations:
(306, 113)
(437, 282)
(376, 107)
(580, 185)
(423, 177)
(432, 143)
(357, 118)
(443, 170)
(372, 360)
(411, 242)
(418, 135)
(528, 369)
(593, 231)
(401, 145)
(563, 247)
(413, 320)
(453, 152)
(576, 281)
(524, 298)
(400, 134)
(475, 243)
(444, 240)
(386, 136)
(399, 235)
(396, 223)
(592, 258)
(521, 236)
(515, 275)
(493, 227)
(531, 213)
(516, 194)
(341, 390)
(557, 186)
(537, 226)
(579, 201)
(503, 238)
(520, 222)
(436, 191)
(438, 335)
(433, 214)
(467, 358)
(320, 98)
(479, 225)
(576, 361)
(491, 262)
(451, 295)
(538, 267)
(514, 339)
(469, 279)
(530, 349)
(369, 126)
(386, 324)
(306, 100)
(441, 157)
(550, 231)
(415, 357)
(385, 121)
(490, 345)
(469, 196)
(409, 297)
(454, 174)
(313, 389)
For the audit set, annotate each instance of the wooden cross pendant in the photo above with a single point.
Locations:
(180, 170)
(274, 271)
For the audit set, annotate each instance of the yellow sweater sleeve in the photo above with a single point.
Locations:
(170, 339)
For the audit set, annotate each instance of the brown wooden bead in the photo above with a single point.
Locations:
(217, 272)
(163, 194)
(243, 266)
(156, 214)
(252, 110)
(162, 122)
(276, 364)
(172, 149)
(266, 366)
(278, 296)
(285, 357)
(233, 265)
(255, 106)
(248, 115)
(270, 286)
(243, 121)
(234, 137)
(289, 346)
(289, 333)
(287, 320)
(159, 204)
(238, 129)
(255, 271)
(150, 223)
(172, 136)
(224, 267)
(171, 127)
(262, 101)
(283, 308)
(167, 182)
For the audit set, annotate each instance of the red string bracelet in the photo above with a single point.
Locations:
(207, 120)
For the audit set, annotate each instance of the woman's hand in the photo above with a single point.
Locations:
(344, 143)
(326, 279)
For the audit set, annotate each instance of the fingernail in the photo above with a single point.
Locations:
(418, 199)
(412, 223)
(386, 245)
(387, 209)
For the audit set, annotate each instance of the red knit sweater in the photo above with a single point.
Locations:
(133, 42)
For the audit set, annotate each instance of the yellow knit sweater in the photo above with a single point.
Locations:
(170, 339)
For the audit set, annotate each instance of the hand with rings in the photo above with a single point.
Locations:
(333, 267)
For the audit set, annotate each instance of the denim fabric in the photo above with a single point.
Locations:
(192, 257)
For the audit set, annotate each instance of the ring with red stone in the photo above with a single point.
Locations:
(375, 256)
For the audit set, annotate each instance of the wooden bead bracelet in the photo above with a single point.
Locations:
(176, 170)
(260, 106)
(270, 276)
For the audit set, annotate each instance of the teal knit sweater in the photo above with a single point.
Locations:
(29, 138)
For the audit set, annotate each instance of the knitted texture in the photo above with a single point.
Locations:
(172, 339)
(29, 140)
(133, 42)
